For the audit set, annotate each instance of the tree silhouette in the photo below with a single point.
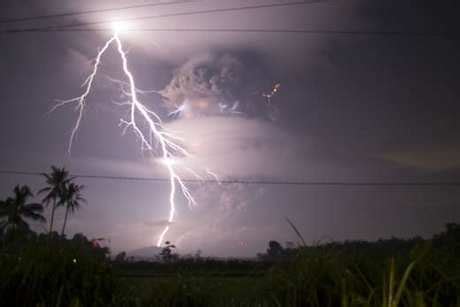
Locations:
(71, 199)
(56, 181)
(275, 249)
(167, 253)
(121, 257)
(16, 209)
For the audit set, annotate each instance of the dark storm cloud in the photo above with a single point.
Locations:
(421, 15)
(434, 158)
(221, 83)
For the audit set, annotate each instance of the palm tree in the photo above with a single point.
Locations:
(71, 200)
(16, 209)
(56, 181)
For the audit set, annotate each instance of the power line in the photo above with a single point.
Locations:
(77, 27)
(95, 11)
(262, 182)
(190, 13)
(236, 30)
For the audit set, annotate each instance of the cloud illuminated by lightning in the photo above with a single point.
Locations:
(153, 138)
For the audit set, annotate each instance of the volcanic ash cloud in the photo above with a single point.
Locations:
(218, 84)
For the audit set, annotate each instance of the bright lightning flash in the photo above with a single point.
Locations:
(145, 123)
(119, 26)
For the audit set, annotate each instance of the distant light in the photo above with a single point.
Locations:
(74, 260)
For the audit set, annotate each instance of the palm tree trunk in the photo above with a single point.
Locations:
(52, 216)
(65, 221)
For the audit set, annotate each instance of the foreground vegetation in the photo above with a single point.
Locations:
(40, 271)
(50, 270)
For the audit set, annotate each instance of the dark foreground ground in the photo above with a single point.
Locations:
(43, 271)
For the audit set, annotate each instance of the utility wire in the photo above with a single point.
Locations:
(95, 11)
(262, 182)
(236, 30)
(83, 27)
(189, 13)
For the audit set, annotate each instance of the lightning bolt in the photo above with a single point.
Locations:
(153, 138)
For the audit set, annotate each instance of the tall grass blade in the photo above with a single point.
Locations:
(297, 232)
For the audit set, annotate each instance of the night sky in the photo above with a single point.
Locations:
(352, 107)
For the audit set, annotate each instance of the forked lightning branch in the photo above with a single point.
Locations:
(144, 122)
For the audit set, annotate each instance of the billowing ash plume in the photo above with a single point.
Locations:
(224, 84)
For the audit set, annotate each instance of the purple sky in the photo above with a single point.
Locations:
(350, 108)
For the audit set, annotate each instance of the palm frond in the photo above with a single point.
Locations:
(34, 216)
(34, 207)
